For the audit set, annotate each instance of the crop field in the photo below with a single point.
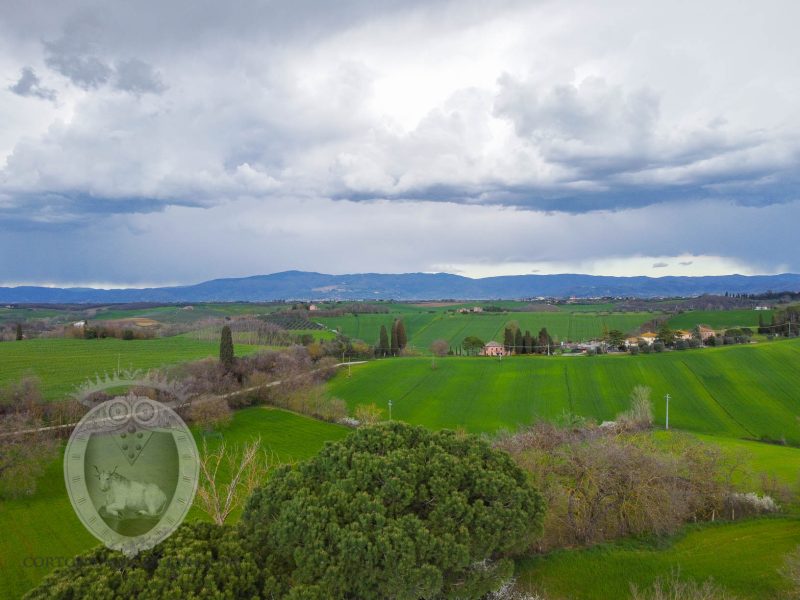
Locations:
(44, 524)
(62, 364)
(736, 391)
(426, 326)
(743, 557)
(720, 319)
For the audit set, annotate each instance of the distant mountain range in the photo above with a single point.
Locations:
(299, 285)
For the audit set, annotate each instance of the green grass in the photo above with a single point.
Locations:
(720, 319)
(63, 364)
(743, 557)
(44, 525)
(735, 391)
(424, 327)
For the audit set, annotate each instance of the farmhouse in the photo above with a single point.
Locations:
(493, 349)
(682, 334)
(79, 324)
(762, 307)
(313, 307)
(705, 332)
(648, 337)
(631, 341)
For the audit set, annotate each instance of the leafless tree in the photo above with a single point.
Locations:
(228, 475)
(368, 414)
(210, 412)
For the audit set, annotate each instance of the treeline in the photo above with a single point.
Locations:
(524, 343)
(784, 322)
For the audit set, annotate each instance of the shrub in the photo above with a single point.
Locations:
(640, 414)
(677, 589)
(791, 571)
(368, 414)
(393, 511)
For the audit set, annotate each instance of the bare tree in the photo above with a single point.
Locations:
(218, 496)
(440, 347)
(368, 414)
(210, 412)
(25, 447)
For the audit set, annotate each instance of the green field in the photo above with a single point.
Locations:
(44, 525)
(735, 391)
(720, 319)
(744, 557)
(62, 364)
(424, 327)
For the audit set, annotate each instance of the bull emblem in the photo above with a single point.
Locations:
(124, 495)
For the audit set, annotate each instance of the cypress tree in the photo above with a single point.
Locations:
(402, 339)
(508, 339)
(226, 356)
(544, 341)
(383, 345)
(528, 342)
(19, 331)
(394, 339)
(518, 347)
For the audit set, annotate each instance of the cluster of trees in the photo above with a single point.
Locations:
(602, 483)
(524, 343)
(424, 515)
(394, 345)
(784, 322)
(101, 330)
(26, 449)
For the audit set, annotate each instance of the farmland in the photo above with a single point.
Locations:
(45, 525)
(423, 327)
(720, 319)
(744, 557)
(63, 364)
(719, 391)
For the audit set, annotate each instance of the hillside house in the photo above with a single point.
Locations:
(631, 341)
(762, 307)
(79, 324)
(682, 334)
(493, 349)
(313, 307)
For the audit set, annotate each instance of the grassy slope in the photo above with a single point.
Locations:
(736, 391)
(45, 525)
(743, 557)
(63, 364)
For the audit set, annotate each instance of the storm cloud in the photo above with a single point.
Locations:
(556, 113)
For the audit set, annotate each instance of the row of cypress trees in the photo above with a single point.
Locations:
(398, 341)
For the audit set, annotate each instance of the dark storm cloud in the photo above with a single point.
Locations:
(29, 84)
(558, 111)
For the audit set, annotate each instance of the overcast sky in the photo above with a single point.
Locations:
(157, 142)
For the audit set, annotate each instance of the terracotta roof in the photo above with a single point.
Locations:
(493, 344)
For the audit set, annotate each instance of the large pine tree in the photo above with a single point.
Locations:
(19, 331)
(226, 356)
(383, 344)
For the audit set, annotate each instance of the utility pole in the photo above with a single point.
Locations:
(390, 410)
(667, 422)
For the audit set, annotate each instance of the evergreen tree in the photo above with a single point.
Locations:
(544, 341)
(508, 339)
(518, 347)
(402, 339)
(394, 348)
(528, 342)
(383, 344)
(19, 331)
(226, 356)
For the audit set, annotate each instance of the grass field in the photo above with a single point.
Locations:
(63, 364)
(424, 327)
(720, 319)
(44, 525)
(735, 391)
(744, 557)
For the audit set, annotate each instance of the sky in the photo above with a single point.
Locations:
(153, 143)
